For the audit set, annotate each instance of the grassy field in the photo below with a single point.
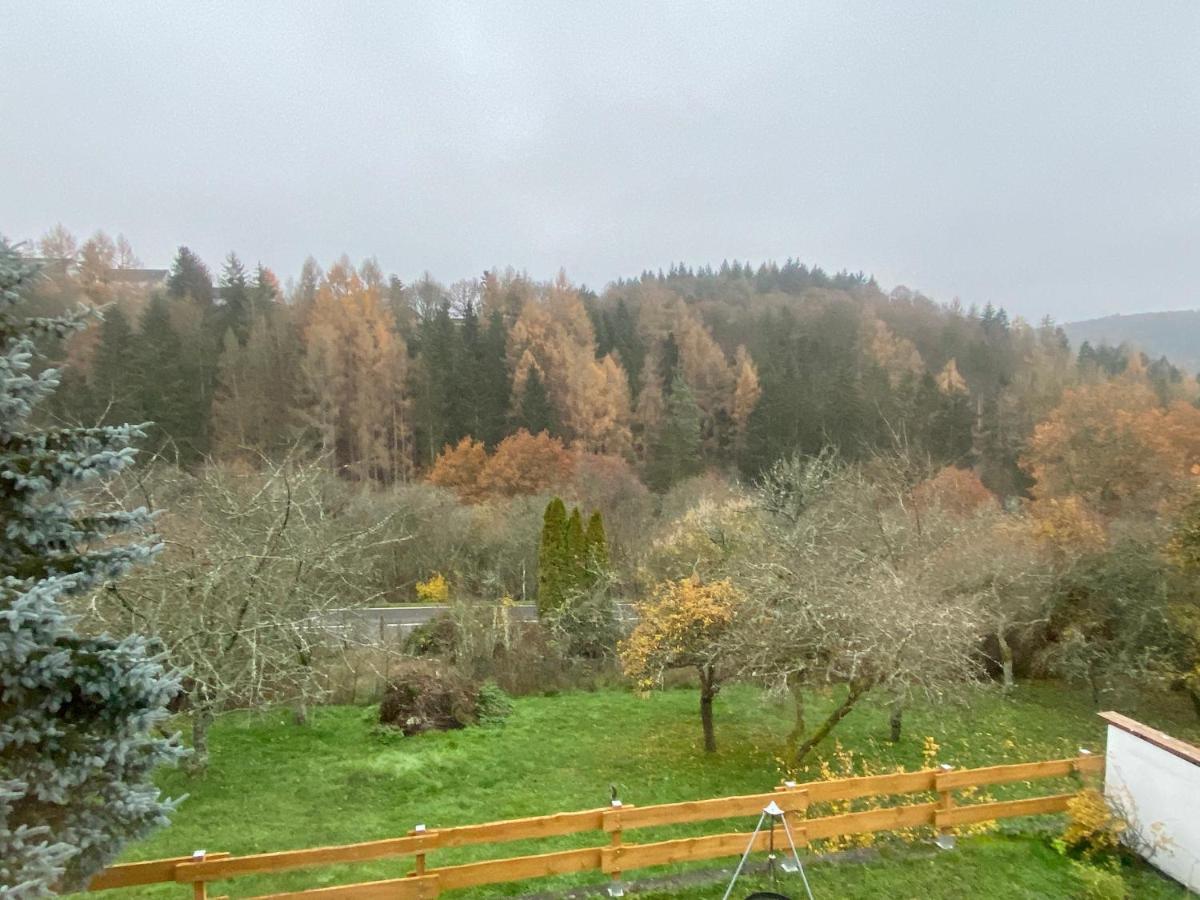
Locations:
(274, 786)
(997, 868)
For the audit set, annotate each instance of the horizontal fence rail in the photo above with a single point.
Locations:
(426, 882)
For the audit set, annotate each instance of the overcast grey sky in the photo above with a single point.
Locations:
(1043, 155)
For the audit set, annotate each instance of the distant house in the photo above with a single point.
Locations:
(149, 279)
(52, 266)
(144, 278)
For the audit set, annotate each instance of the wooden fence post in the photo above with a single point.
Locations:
(798, 816)
(1084, 753)
(199, 888)
(419, 858)
(612, 824)
(945, 834)
(802, 804)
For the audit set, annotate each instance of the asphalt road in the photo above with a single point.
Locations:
(382, 619)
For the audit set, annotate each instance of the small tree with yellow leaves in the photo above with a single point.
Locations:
(435, 589)
(681, 626)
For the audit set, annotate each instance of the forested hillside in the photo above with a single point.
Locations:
(507, 441)
(845, 496)
(672, 372)
(1174, 334)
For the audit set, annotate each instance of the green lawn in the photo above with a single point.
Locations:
(275, 786)
(998, 868)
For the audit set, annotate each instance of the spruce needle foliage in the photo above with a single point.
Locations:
(76, 711)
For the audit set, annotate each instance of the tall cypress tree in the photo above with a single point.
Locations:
(77, 713)
(597, 547)
(552, 558)
(576, 545)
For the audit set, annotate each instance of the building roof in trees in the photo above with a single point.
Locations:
(139, 276)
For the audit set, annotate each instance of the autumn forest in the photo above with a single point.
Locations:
(537, 449)
(716, 476)
(674, 373)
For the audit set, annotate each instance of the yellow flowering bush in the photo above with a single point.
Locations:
(435, 589)
(1093, 828)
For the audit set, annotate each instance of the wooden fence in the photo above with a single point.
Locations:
(428, 881)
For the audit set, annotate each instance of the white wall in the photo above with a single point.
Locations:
(1154, 786)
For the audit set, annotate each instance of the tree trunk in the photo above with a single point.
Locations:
(896, 721)
(1006, 659)
(304, 659)
(708, 690)
(853, 695)
(799, 726)
(1094, 683)
(202, 719)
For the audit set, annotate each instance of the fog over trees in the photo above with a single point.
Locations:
(759, 473)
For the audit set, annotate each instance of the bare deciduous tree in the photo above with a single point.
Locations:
(841, 594)
(254, 569)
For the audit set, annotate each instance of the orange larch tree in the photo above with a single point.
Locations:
(897, 356)
(599, 413)
(355, 367)
(709, 376)
(746, 393)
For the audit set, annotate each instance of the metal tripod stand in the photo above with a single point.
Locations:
(771, 812)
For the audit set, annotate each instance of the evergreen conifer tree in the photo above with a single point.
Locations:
(166, 388)
(76, 712)
(668, 362)
(466, 382)
(536, 413)
(114, 382)
(264, 290)
(675, 449)
(576, 547)
(628, 344)
(235, 299)
(597, 547)
(440, 408)
(552, 558)
(190, 278)
(496, 381)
